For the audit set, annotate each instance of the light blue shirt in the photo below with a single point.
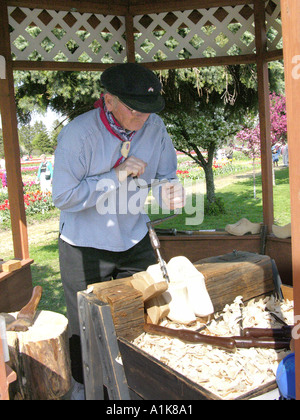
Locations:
(96, 209)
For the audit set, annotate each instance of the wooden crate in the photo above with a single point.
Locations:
(147, 378)
(150, 379)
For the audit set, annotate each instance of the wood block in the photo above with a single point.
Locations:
(156, 289)
(236, 274)
(98, 287)
(11, 265)
(126, 305)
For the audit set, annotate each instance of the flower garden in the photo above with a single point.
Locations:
(189, 169)
(39, 206)
(36, 202)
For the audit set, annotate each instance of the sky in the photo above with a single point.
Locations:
(47, 119)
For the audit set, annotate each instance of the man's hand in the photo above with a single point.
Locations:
(173, 195)
(131, 167)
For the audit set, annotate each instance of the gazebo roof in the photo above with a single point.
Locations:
(161, 34)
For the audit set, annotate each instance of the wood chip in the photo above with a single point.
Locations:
(227, 375)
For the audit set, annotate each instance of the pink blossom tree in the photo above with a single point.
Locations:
(278, 119)
(250, 137)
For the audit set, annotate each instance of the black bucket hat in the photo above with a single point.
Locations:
(135, 86)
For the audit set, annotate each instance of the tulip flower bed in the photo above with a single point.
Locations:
(37, 204)
(189, 169)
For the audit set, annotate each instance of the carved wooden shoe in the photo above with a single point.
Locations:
(175, 298)
(242, 227)
(178, 301)
(282, 232)
(187, 295)
(181, 269)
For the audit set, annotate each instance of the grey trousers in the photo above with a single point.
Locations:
(80, 266)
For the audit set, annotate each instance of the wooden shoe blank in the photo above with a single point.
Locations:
(282, 232)
(242, 227)
(187, 295)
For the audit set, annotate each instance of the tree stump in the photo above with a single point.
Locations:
(40, 357)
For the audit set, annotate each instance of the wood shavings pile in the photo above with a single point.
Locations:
(226, 374)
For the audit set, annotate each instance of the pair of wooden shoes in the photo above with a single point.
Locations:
(244, 226)
(186, 297)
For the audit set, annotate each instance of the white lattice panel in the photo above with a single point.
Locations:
(274, 29)
(206, 32)
(100, 36)
(71, 36)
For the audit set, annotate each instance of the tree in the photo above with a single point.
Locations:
(26, 136)
(278, 118)
(250, 143)
(42, 142)
(203, 112)
(56, 128)
(206, 132)
(28, 133)
(68, 93)
(250, 134)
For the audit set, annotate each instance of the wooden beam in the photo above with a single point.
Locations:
(11, 143)
(111, 7)
(202, 62)
(137, 7)
(121, 7)
(155, 65)
(264, 113)
(59, 66)
(274, 55)
(130, 38)
(290, 12)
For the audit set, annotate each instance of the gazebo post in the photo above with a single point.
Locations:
(264, 112)
(130, 38)
(290, 11)
(11, 142)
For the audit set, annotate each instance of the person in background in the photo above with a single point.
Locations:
(285, 154)
(45, 174)
(275, 155)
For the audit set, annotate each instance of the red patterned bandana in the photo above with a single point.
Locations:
(114, 128)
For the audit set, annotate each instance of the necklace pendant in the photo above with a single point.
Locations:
(125, 149)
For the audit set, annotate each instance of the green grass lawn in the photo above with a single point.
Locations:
(45, 273)
(239, 202)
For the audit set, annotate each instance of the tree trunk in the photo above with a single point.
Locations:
(210, 184)
(207, 166)
(40, 357)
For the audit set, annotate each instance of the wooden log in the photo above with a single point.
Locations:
(3, 378)
(144, 287)
(127, 307)
(40, 357)
(236, 274)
